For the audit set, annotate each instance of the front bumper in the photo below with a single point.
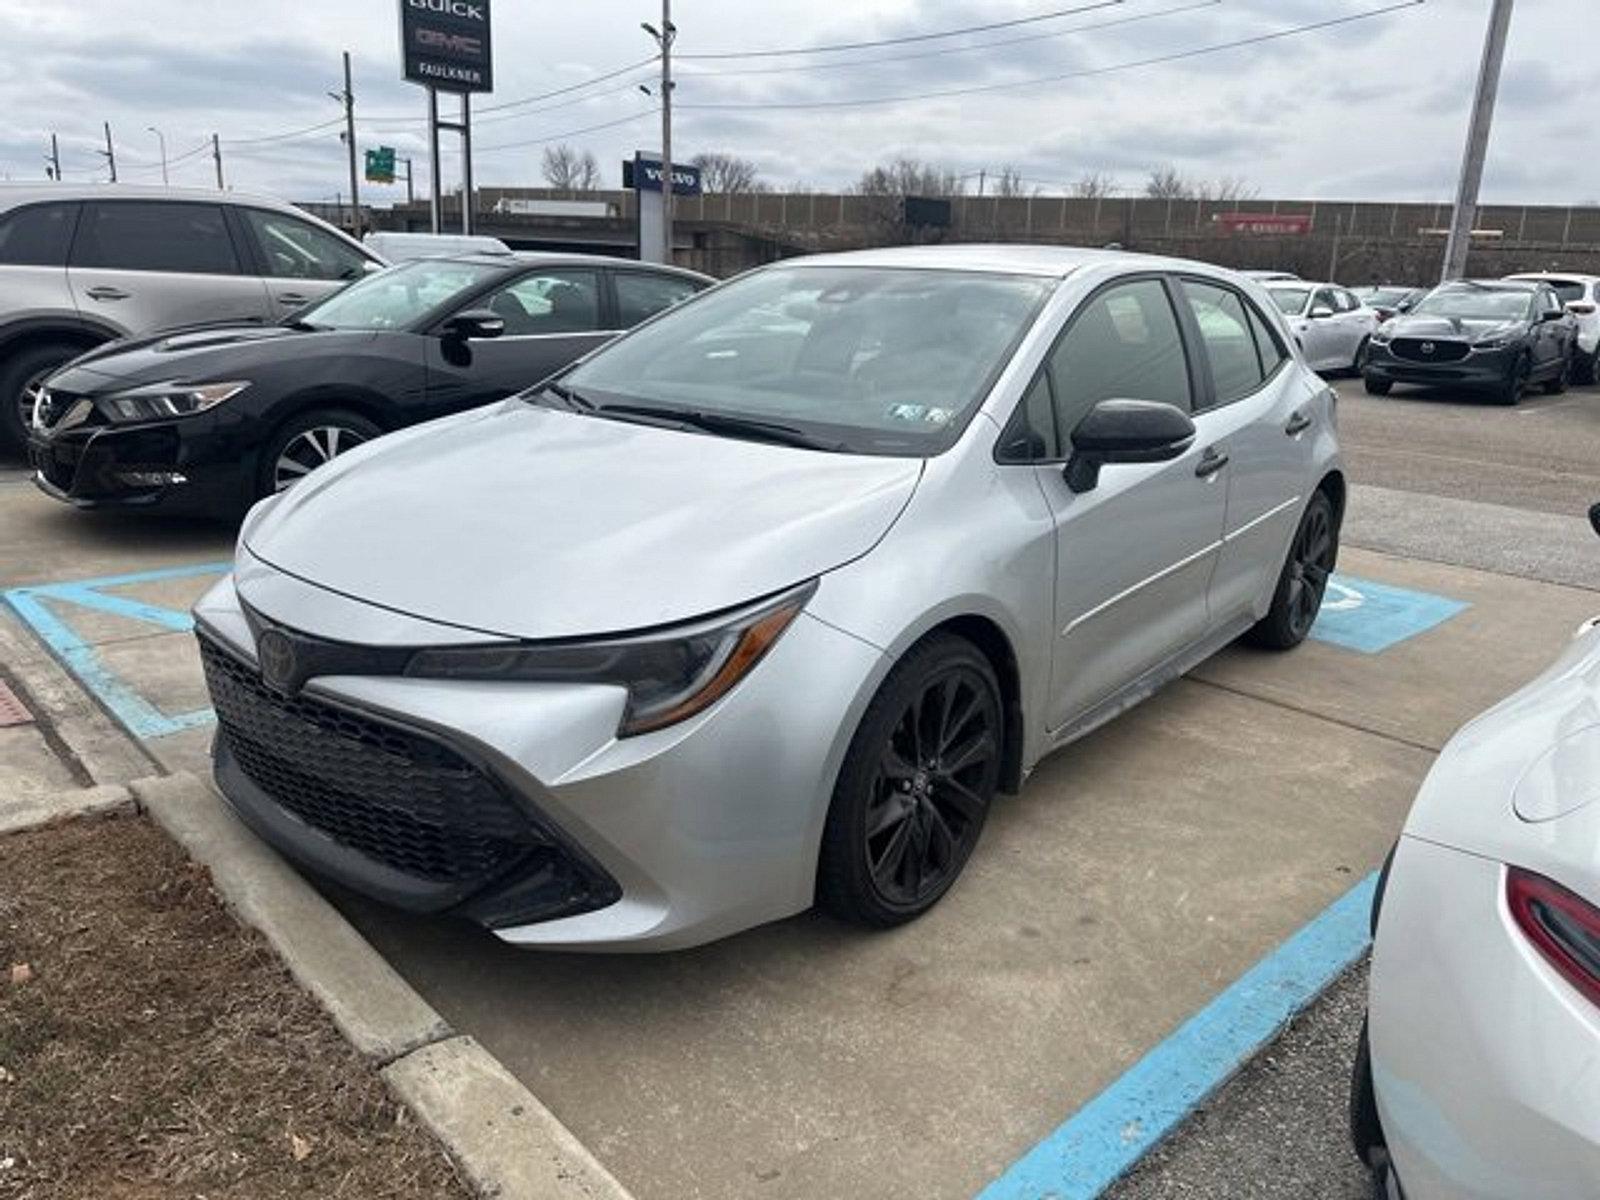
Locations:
(1486, 1065)
(1484, 368)
(658, 841)
(164, 465)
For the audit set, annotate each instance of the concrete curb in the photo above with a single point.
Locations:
(27, 812)
(95, 746)
(507, 1144)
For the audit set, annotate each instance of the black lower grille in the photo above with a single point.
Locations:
(1426, 350)
(395, 795)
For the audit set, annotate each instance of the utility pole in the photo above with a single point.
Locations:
(466, 162)
(436, 192)
(665, 36)
(161, 138)
(981, 175)
(54, 169)
(1466, 210)
(348, 99)
(109, 153)
(411, 195)
(216, 157)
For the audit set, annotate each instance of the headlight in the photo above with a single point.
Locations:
(1382, 335)
(158, 401)
(669, 676)
(1497, 339)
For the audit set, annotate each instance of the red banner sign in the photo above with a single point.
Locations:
(1279, 224)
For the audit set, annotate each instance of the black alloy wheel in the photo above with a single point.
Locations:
(1557, 383)
(1303, 580)
(1516, 380)
(915, 787)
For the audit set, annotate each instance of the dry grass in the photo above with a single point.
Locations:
(153, 1047)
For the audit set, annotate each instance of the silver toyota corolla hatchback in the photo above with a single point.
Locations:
(763, 603)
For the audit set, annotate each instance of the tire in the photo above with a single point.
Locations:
(1358, 364)
(1366, 1132)
(1557, 383)
(1377, 387)
(1585, 367)
(941, 701)
(22, 371)
(304, 440)
(1304, 578)
(1510, 391)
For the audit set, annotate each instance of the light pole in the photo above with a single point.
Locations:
(1466, 209)
(161, 138)
(664, 37)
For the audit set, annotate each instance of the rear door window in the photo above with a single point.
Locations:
(640, 296)
(155, 235)
(1236, 369)
(37, 235)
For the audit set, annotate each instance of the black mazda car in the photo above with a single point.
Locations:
(1497, 336)
(206, 420)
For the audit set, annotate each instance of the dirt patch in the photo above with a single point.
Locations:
(150, 1046)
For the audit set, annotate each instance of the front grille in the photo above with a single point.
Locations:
(395, 795)
(1428, 350)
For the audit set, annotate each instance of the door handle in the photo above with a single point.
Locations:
(1212, 461)
(1298, 424)
(106, 293)
(293, 298)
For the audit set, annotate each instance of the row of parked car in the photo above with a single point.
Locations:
(1498, 337)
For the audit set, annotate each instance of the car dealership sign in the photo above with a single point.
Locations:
(445, 44)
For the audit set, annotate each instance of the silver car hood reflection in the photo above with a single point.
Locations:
(578, 525)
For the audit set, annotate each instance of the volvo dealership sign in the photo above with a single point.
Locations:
(445, 44)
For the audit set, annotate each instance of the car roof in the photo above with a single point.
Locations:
(13, 194)
(1556, 276)
(1005, 258)
(517, 259)
(1494, 285)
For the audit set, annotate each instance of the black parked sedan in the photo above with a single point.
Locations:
(207, 420)
(1495, 336)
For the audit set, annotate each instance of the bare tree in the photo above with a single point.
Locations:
(1230, 189)
(1094, 185)
(722, 172)
(571, 170)
(1166, 184)
(1009, 184)
(908, 177)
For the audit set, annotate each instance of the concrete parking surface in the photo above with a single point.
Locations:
(1136, 875)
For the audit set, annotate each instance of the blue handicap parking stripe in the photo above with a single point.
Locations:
(1107, 1137)
(1360, 614)
(137, 714)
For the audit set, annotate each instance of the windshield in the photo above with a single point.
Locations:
(1291, 301)
(1475, 304)
(398, 297)
(875, 360)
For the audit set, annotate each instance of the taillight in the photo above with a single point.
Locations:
(1563, 927)
(1582, 307)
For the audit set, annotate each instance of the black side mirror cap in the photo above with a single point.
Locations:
(1126, 431)
(1594, 517)
(473, 324)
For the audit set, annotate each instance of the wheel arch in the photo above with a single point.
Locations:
(1333, 486)
(44, 331)
(363, 403)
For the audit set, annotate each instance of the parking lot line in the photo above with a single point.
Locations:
(136, 713)
(1099, 1144)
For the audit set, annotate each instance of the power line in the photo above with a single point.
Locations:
(590, 82)
(1062, 78)
(630, 86)
(946, 50)
(284, 137)
(915, 37)
(556, 137)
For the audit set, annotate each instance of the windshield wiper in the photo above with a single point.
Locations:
(751, 428)
(302, 325)
(566, 395)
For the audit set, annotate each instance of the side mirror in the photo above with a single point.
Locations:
(1126, 431)
(1552, 314)
(1318, 311)
(1594, 517)
(473, 324)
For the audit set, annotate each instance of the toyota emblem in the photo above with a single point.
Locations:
(276, 654)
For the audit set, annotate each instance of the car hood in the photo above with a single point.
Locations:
(198, 355)
(527, 522)
(1449, 328)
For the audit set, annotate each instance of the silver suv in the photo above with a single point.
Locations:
(83, 265)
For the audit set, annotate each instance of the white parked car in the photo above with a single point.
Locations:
(1479, 1077)
(1331, 324)
(1581, 295)
(1269, 276)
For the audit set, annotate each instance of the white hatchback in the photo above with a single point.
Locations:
(1581, 295)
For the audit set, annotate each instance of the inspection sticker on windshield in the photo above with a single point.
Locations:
(920, 412)
(1360, 614)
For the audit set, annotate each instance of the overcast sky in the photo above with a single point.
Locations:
(1371, 109)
